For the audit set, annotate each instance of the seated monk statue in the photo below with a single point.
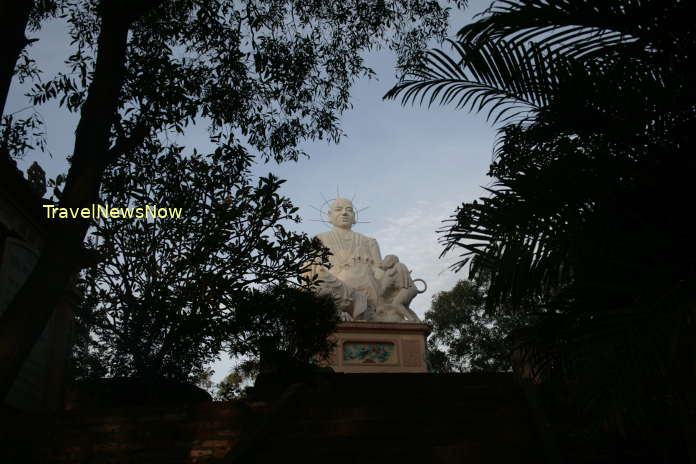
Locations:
(364, 286)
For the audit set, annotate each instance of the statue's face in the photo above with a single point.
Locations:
(341, 214)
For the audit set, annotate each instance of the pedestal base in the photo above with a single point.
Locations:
(379, 347)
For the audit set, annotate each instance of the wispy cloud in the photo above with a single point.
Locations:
(413, 238)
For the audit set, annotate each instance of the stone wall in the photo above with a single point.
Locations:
(335, 418)
(192, 433)
(23, 231)
(332, 418)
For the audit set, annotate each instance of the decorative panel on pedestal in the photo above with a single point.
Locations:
(379, 347)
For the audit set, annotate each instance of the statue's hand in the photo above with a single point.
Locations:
(345, 317)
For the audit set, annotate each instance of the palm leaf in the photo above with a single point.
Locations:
(566, 22)
(598, 110)
(505, 79)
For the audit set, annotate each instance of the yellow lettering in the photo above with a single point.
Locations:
(49, 210)
(96, 211)
(102, 211)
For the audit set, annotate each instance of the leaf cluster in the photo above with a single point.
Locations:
(294, 322)
(164, 297)
(467, 338)
(19, 135)
(262, 77)
(272, 74)
(586, 223)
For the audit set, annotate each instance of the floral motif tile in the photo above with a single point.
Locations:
(367, 353)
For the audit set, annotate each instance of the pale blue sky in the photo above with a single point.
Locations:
(411, 166)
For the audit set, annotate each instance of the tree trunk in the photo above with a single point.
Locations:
(14, 15)
(32, 307)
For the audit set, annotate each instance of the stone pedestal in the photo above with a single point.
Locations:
(363, 347)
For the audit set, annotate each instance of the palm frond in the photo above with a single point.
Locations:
(505, 79)
(569, 23)
(596, 97)
(613, 360)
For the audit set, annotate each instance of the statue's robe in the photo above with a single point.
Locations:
(354, 273)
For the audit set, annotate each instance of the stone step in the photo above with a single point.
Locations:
(412, 450)
(366, 386)
(385, 430)
(405, 411)
(378, 396)
(428, 381)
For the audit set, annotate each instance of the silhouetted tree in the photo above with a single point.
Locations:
(17, 17)
(162, 301)
(14, 17)
(587, 223)
(267, 75)
(231, 387)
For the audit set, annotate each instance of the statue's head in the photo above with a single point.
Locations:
(341, 213)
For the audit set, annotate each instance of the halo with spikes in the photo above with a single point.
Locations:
(327, 202)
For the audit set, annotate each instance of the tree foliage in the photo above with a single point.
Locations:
(281, 320)
(167, 294)
(265, 76)
(276, 73)
(587, 222)
(467, 338)
(231, 387)
(19, 135)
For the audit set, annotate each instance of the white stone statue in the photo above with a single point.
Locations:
(363, 285)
